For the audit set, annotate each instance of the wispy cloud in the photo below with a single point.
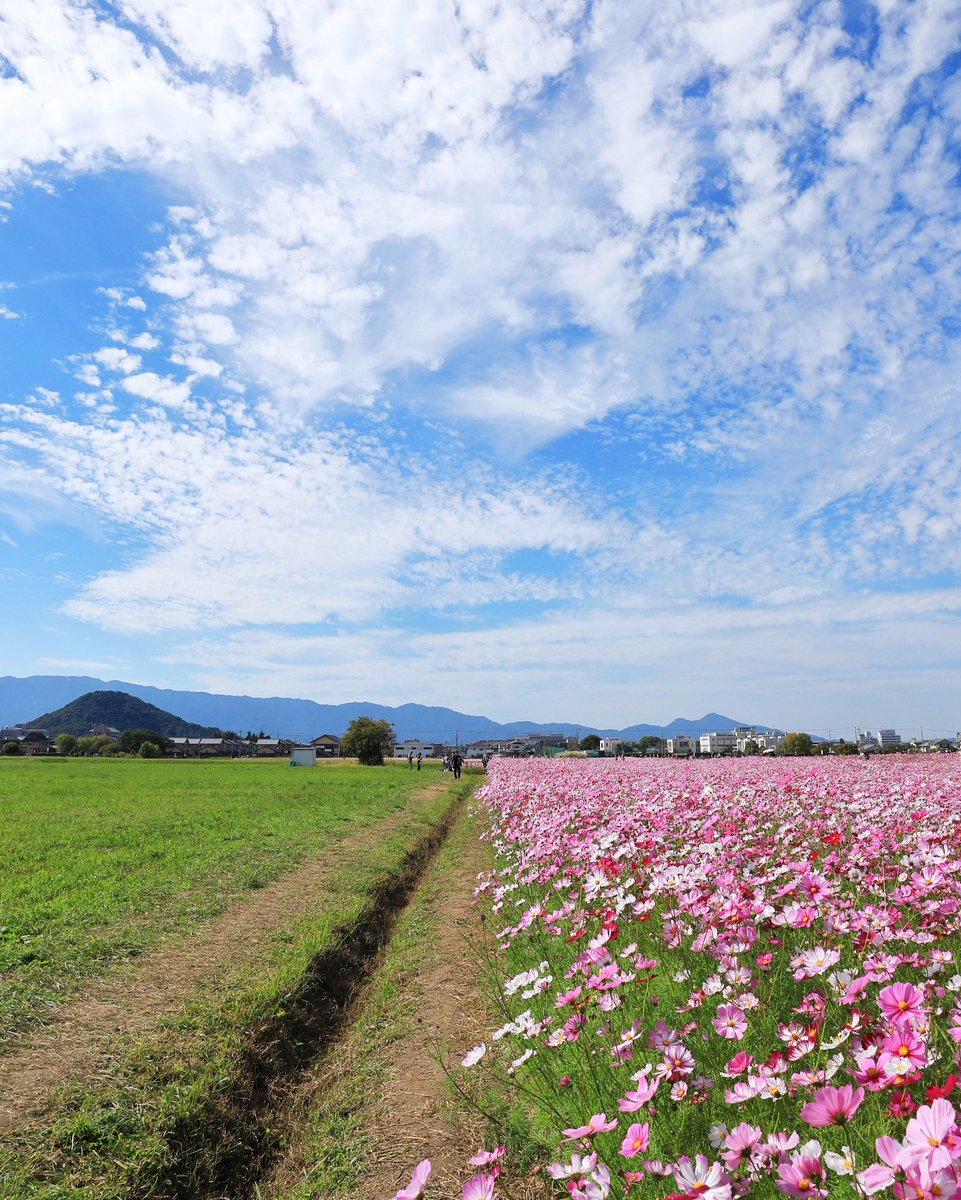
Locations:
(476, 314)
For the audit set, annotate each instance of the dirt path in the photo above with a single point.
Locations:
(416, 1117)
(411, 1114)
(86, 1035)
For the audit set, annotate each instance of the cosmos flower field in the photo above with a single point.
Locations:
(729, 978)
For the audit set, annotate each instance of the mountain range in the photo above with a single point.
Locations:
(280, 716)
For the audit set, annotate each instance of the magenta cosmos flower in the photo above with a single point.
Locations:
(902, 1003)
(803, 1175)
(833, 1105)
(636, 1140)
(903, 1050)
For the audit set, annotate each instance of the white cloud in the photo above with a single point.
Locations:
(717, 236)
(161, 389)
(116, 359)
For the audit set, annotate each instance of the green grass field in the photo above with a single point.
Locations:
(103, 858)
(109, 857)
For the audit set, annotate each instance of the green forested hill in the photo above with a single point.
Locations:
(120, 711)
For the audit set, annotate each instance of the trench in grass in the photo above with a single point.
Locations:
(340, 1110)
(190, 1112)
(106, 859)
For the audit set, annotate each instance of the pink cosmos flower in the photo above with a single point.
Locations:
(855, 990)
(474, 1056)
(902, 1051)
(814, 962)
(638, 1098)
(833, 1105)
(730, 1022)
(597, 1124)
(678, 1061)
(869, 1073)
(875, 1178)
(932, 1134)
(580, 1164)
(565, 998)
(802, 1175)
(484, 1158)
(418, 1179)
(738, 1064)
(701, 1178)
(636, 1140)
(740, 1143)
(928, 1183)
(481, 1186)
(902, 1003)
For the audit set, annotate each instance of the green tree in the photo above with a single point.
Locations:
(149, 750)
(92, 744)
(590, 741)
(752, 747)
(66, 743)
(368, 741)
(649, 742)
(131, 740)
(798, 743)
(11, 747)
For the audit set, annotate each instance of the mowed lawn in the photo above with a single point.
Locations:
(103, 858)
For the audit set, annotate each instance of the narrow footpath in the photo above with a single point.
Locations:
(423, 1008)
(84, 1038)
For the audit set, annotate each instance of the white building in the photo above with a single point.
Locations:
(681, 747)
(611, 746)
(402, 749)
(887, 737)
(718, 743)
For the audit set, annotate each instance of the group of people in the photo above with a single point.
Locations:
(452, 762)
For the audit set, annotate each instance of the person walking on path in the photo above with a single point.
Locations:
(410, 759)
(457, 762)
(419, 758)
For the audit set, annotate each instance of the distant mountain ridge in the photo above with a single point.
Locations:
(305, 719)
(116, 710)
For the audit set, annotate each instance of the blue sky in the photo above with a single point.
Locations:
(586, 362)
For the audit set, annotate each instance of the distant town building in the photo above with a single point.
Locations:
(888, 737)
(527, 745)
(415, 745)
(718, 743)
(611, 746)
(681, 747)
(208, 747)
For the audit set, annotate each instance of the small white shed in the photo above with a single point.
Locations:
(303, 756)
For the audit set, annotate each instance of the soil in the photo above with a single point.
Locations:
(415, 1115)
(89, 1032)
(417, 1118)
